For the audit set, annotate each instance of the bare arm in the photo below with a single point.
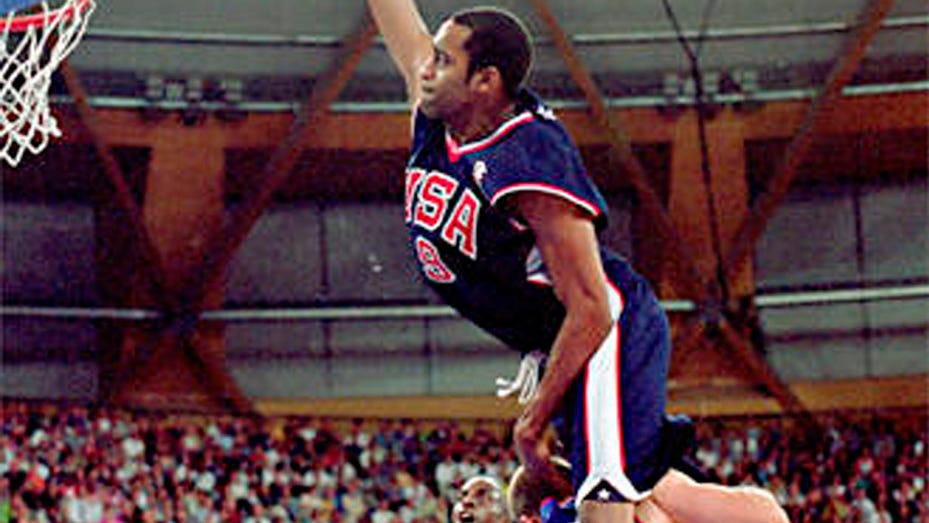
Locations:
(408, 41)
(568, 244)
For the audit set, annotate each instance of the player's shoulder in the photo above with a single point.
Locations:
(545, 124)
(539, 139)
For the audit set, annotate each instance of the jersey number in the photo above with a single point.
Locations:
(433, 266)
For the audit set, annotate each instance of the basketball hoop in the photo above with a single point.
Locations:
(37, 36)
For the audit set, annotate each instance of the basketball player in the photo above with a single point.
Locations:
(503, 221)
(482, 501)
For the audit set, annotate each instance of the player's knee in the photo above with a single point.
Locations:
(672, 482)
(648, 511)
(767, 506)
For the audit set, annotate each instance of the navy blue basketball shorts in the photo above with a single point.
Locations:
(613, 415)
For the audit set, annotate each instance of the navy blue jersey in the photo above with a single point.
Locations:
(478, 257)
(482, 260)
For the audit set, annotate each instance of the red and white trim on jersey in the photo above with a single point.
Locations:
(540, 278)
(455, 151)
(554, 190)
(603, 416)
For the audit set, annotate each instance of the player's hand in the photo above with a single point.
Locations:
(527, 379)
(531, 447)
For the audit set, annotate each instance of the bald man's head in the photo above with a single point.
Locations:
(482, 501)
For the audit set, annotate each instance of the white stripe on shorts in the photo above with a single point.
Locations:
(603, 416)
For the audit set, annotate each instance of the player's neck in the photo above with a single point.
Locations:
(482, 122)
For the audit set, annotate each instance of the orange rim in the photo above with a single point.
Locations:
(21, 23)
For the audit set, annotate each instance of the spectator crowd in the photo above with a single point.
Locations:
(76, 464)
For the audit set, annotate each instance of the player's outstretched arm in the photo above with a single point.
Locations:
(406, 36)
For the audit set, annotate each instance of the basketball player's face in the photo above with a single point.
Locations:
(481, 502)
(446, 94)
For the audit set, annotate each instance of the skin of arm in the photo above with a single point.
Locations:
(567, 241)
(408, 41)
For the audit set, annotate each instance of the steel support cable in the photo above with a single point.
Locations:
(720, 294)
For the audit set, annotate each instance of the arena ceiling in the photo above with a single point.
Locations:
(273, 52)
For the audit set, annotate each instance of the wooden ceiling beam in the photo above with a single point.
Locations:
(756, 363)
(684, 274)
(304, 131)
(184, 205)
(219, 383)
(823, 109)
(223, 245)
(150, 260)
(689, 330)
(750, 230)
(179, 336)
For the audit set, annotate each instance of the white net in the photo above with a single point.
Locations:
(33, 47)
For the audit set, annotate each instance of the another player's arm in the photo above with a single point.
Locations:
(567, 241)
(406, 36)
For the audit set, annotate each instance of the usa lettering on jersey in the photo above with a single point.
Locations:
(433, 202)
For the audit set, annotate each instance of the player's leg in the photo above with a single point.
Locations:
(594, 437)
(685, 500)
(547, 498)
(597, 512)
(615, 436)
(648, 511)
